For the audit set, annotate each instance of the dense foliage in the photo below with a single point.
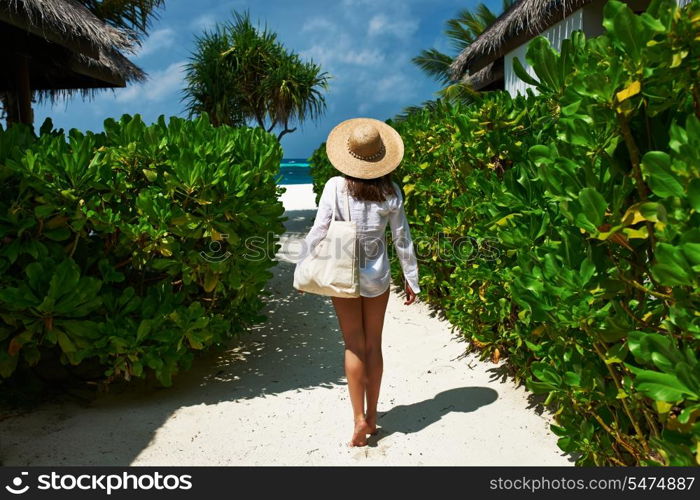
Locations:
(239, 73)
(562, 230)
(134, 247)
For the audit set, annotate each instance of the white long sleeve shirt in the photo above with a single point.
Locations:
(372, 218)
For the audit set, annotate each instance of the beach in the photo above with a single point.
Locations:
(278, 397)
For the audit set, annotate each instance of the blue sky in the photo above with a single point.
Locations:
(365, 45)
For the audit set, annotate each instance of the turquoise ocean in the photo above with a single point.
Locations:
(294, 171)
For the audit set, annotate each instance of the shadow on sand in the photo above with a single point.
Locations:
(415, 417)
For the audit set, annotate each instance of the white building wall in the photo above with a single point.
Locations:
(555, 34)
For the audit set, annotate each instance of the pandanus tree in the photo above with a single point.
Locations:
(242, 74)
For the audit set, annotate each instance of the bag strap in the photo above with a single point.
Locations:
(335, 197)
(347, 201)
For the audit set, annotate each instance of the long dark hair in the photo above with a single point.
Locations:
(377, 189)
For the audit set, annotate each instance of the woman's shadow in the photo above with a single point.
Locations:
(417, 416)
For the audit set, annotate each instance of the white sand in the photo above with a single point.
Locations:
(279, 398)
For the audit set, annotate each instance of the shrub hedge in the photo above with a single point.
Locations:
(562, 231)
(134, 247)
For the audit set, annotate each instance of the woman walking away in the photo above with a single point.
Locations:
(366, 151)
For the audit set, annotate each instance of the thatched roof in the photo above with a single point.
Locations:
(73, 20)
(70, 47)
(485, 76)
(524, 19)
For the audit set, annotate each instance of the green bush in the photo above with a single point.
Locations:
(562, 230)
(134, 247)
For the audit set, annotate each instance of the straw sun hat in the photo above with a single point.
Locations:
(364, 148)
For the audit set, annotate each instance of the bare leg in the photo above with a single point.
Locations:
(349, 312)
(373, 309)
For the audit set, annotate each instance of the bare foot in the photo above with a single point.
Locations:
(372, 424)
(359, 435)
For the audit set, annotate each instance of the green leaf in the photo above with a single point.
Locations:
(522, 73)
(571, 109)
(43, 211)
(671, 267)
(625, 28)
(654, 212)
(572, 379)
(8, 363)
(690, 412)
(577, 131)
(694, 194)
(652, 23)
(656, 167)
(546, 373)
(545, 61)
(80, 328)
(586, 271)
(540, 387)
(659, 386)
(143, 330)
(65, 342)
(567, 444)
(540, 154)
(58, 234)
(692, 253)
(689, 376)
(593, 205)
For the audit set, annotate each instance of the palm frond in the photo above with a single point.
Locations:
(461, 31)
(410, 111)
(133, 15)
(434, 63)
(486, 16)
(458, 92)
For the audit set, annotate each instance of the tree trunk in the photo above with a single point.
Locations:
(18, 103)
(285, 132)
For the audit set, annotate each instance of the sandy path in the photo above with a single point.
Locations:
(279, 398)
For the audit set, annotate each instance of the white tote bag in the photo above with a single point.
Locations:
(332, 266)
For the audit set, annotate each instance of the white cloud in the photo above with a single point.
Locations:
(358, 3)
(368, 53)
(342, 52)
(320, 54)
(376, 24)
(366, 57)
(375, 89)
(159, 86)
(158, 40)
(400, 28)
(316, 24)
(396, 87)
(205, 22)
